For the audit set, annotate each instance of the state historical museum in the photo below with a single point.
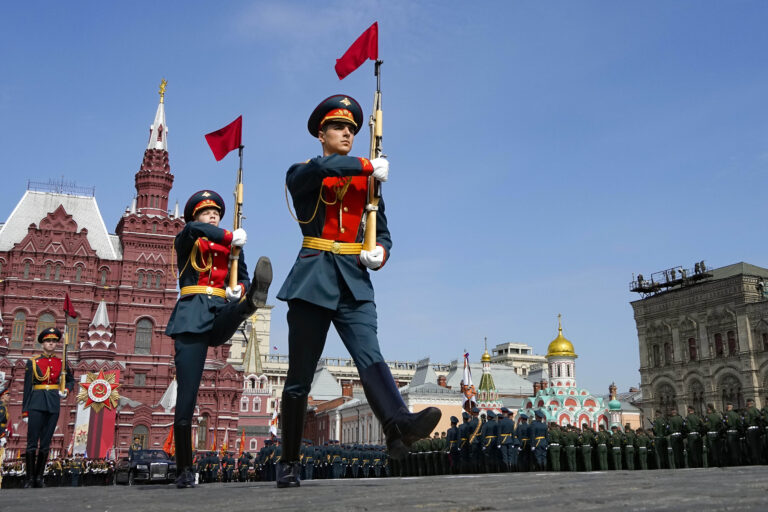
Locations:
(123, 287)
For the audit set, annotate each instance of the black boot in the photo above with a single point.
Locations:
(292, 411)
(30, 457)
(262, 278)
(401, 427)
(182, 436)
(42, 458)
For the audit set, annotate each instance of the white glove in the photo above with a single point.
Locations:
(372, 259)
(233, 294)
(239, 237)
(63, 394)
(3, 441)
(380, 168)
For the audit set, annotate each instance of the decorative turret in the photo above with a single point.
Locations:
(614, 406)
(561, 360)
(487, 394)
(154, 180)
(98, 344)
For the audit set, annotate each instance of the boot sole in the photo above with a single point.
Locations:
(262, 278)
(427, 425)
(283, 485)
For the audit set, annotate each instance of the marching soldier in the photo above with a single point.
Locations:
(464, 434)
(586, 439)
(714, 423)
(629, 447)
(208, 311)
(524, 449)
(507, 440)
(329, 282)
(693, 427)
(675, 429)
(617, 441)
(555, 439)
(660, 430)
(538, 434)
(642, 442)
(489, 441)
(752, 423)
(601, 439)
(453, 445)
(42, 402)
(733, 427)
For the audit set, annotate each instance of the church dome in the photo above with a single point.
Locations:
(560, 346)
(614, 405)
(486, 357)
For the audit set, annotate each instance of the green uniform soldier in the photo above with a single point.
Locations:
(733, 427)
(586, 439)
(629, 447)
(555, 440)
(570, 439)
(642, 442)
(694, 445)
(601, 439)
(752, 424)
(675, 426)
(714, 424)
(617, 443)
(660, 430)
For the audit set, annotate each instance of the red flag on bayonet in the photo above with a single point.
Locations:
(69, 309)
(226, 139)
(169, 446)
(365, 47)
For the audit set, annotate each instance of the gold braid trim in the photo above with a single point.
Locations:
(474, 434)
(39, 377)
(192, 259)
(340, 193)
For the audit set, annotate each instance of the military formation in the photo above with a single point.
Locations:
(66, 472)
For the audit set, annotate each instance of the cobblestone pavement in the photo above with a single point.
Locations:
(702, 490)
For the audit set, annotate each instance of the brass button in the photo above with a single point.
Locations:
(209, 290)
(336, 247)
(342, 229)
(215, 254)
(214, 268)
(346, 209)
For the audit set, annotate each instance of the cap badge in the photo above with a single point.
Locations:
(206, 194)
(346, 102)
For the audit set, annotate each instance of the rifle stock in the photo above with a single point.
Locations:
(374, 187)
(235, 254)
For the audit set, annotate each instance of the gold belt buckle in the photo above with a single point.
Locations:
(335, 247)
(209, 290)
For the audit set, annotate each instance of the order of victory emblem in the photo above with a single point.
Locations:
(99, 390)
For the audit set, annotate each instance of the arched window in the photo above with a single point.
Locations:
(57, 272)
(254, 445)
(47, 271)
(143, 343)
(26, 270)
(72, 332)
(719, 349)
(19, 326)
(257, 405)
(668, 358)
(44, 321)
(697, 396)
(733, 345)
(1, 267)
(202, 432)
(140, 279)
(103, 281)
(244, 404)
(78, 273)
(692, 352)
(655, 356)
(666, 397)
(158, 280)
(142, 433)
(730, 390)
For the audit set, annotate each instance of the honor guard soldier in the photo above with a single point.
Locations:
(524, 438)
(453, 445)
(507, 440)
(42, 402)
(329, 282)
(538, 434)
(208, 311)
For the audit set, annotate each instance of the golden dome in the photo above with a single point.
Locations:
(486, 357)
(560, 346)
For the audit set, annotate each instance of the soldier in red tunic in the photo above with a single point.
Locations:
(41, 404)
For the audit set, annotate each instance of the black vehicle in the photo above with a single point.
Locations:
(145, 466)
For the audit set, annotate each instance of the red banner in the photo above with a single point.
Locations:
(226, 139)
(365, 47)
(101, 430)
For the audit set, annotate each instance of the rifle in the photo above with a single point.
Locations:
(236, 223)
(63, 374)
(374, 187)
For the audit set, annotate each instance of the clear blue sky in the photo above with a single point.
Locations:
(541, 152)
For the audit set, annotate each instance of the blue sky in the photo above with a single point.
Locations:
(541, 152)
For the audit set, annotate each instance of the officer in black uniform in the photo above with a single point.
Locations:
(42, 402)
(453, 440)
(329, 283)
(208, 311)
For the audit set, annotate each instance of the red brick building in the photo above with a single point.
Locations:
(123, 287)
